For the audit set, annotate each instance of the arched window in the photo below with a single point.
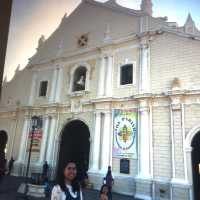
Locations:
(79, 79)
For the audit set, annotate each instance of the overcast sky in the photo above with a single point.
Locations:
(32, 18)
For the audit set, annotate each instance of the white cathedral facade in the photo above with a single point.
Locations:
(112, 86)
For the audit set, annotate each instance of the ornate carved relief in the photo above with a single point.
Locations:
(76, 106)
(176, 84)
(83, 40)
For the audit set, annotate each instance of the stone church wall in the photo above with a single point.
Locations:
(174, 57)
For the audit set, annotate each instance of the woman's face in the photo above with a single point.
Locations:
(70, 171)
(105, 190)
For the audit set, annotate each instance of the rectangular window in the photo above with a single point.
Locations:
(126, 74)
(43, 88)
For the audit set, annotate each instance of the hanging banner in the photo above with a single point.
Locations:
(36, 137)
(125, 133)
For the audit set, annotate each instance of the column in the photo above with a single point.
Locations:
(52, 133)
(96, 143)
(188, 152)
(59, 85)
(24, 137)
(55, 155)
(144, 146)
(33, 89)
(44, 140)
(109, 71)
(101, 84)
(106, 142)
(12, 139)
(144, 69)
(53, 86)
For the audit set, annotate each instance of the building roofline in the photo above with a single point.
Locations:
(113, 5)
(166, 30)
(131, 36)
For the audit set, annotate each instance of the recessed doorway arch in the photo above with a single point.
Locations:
(192, 148)
(196, 165)
(3, 142)
(75, 146)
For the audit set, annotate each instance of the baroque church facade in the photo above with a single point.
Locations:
(112, 86)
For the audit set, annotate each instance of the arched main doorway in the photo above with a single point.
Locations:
(75, 146)
(3, 142)
(196, 165)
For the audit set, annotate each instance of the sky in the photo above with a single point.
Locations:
(32, 18)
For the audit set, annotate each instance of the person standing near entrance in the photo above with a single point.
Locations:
(68, 188)
(45, 169)
(109, 181)
(10, 165)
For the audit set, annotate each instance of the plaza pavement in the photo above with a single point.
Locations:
(10, 184)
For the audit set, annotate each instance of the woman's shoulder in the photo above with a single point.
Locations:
(57, 188)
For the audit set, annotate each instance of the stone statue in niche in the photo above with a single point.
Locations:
(79, 79)
(79, 84)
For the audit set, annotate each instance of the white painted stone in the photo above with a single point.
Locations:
(44, 140)
(24, 138)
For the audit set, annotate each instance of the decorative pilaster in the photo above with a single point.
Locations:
(144, 178)
(105, 155)
(59, 85)
(53, 86)
(52, 134)
(55, 154)
(24, 138)
(144, 86)
(12, 140)
(145, 138)
(178, 136)
(96, 143)
(101, 83)
(109, 72)
(44, 140)
(33, 89)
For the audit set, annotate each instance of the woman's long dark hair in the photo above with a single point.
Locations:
(61, 180)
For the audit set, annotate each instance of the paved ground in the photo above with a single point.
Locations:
(9, 186)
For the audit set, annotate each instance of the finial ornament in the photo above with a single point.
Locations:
(146, 7)
(189, 25)
(41, 41)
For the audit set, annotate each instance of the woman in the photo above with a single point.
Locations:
(104, 192)
(68, 187)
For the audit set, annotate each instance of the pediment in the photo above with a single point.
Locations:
(90, 18)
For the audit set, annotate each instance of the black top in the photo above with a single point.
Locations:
(69, 197)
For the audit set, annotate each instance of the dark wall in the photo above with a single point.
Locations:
(3, 142)
(5, 13)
